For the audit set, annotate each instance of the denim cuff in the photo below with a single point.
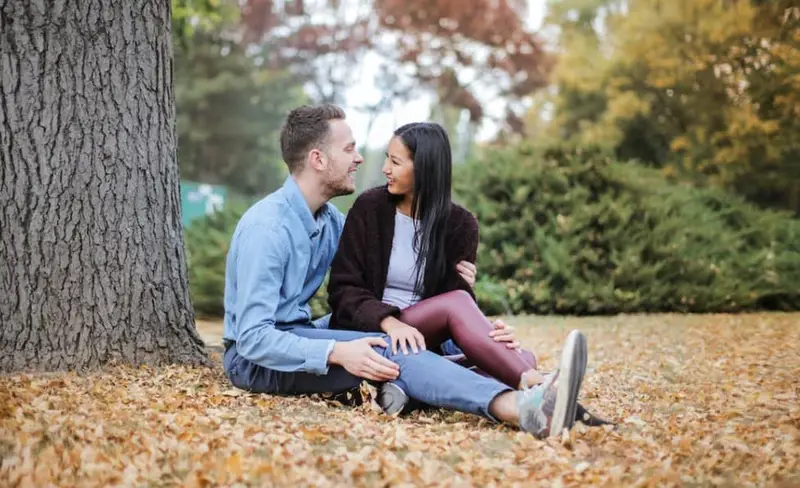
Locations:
(494, 394)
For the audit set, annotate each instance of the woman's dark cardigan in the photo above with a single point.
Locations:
(359, 270)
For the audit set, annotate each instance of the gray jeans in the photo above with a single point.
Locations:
(426, 377)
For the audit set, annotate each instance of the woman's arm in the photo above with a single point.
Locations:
(463, 246)
(353, 304)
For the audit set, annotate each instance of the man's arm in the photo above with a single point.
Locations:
(259, 279)
(262, 258)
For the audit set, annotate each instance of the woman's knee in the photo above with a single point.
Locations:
(457, 297)
(450, 304)
(529, 357)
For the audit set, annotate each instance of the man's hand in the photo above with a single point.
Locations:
(467, 271)
(504, 333)
(359, 359)
(403, 336)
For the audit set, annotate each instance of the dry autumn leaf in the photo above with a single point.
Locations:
(707, 400)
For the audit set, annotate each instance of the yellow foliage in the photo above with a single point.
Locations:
(599, 134)
(719, 80)
(680, 143)
(625, 105)
(581, 66)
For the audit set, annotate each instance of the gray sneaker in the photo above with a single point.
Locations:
(546, 409)
(392, 399)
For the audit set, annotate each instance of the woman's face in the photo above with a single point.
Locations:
(399, 168)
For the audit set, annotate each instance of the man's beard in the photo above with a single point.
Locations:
(336, 187)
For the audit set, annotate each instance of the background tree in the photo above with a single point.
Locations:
(229, 115)
(708, 90)
(92, 264)
(471, 57)
(230, 105)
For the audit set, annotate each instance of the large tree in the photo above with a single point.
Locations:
(92, 266)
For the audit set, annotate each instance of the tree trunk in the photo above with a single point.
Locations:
(92, 265)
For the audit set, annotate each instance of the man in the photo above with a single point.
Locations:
(279, 254)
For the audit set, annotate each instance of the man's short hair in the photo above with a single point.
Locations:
(306, 128)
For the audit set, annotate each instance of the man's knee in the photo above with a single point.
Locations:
(412, 358)
(384, 351)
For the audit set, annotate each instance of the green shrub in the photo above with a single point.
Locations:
(319, 302)
(207, 241)
(491, 296)
(570, 231)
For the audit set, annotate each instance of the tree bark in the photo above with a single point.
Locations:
(92, 265)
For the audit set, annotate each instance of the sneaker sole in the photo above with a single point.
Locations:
(571, 370)
(392, 399)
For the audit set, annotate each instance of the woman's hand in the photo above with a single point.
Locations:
(504, 333)
(468, 271)
(403, 336)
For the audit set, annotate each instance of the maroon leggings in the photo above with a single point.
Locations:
(455, 315)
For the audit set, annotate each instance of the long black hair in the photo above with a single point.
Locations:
(429, 147)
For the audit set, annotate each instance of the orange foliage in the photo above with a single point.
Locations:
(437, 43)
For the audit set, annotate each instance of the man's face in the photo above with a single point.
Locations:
(343, 159)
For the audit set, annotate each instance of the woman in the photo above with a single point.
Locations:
(396, 270)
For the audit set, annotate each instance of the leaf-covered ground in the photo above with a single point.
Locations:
(699, 400)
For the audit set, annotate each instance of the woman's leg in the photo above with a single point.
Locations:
(456, 315)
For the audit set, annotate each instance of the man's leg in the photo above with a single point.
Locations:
(249, 376)
(439, 382)
(432, 379)
(426, 376)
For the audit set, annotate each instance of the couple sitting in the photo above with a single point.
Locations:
(400, 287)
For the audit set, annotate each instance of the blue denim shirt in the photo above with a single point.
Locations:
(278, 257)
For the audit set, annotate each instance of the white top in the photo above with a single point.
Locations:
(399, 289)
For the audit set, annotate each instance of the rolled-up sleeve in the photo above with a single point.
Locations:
(263, 254)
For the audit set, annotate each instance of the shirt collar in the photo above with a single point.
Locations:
(297, 202)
